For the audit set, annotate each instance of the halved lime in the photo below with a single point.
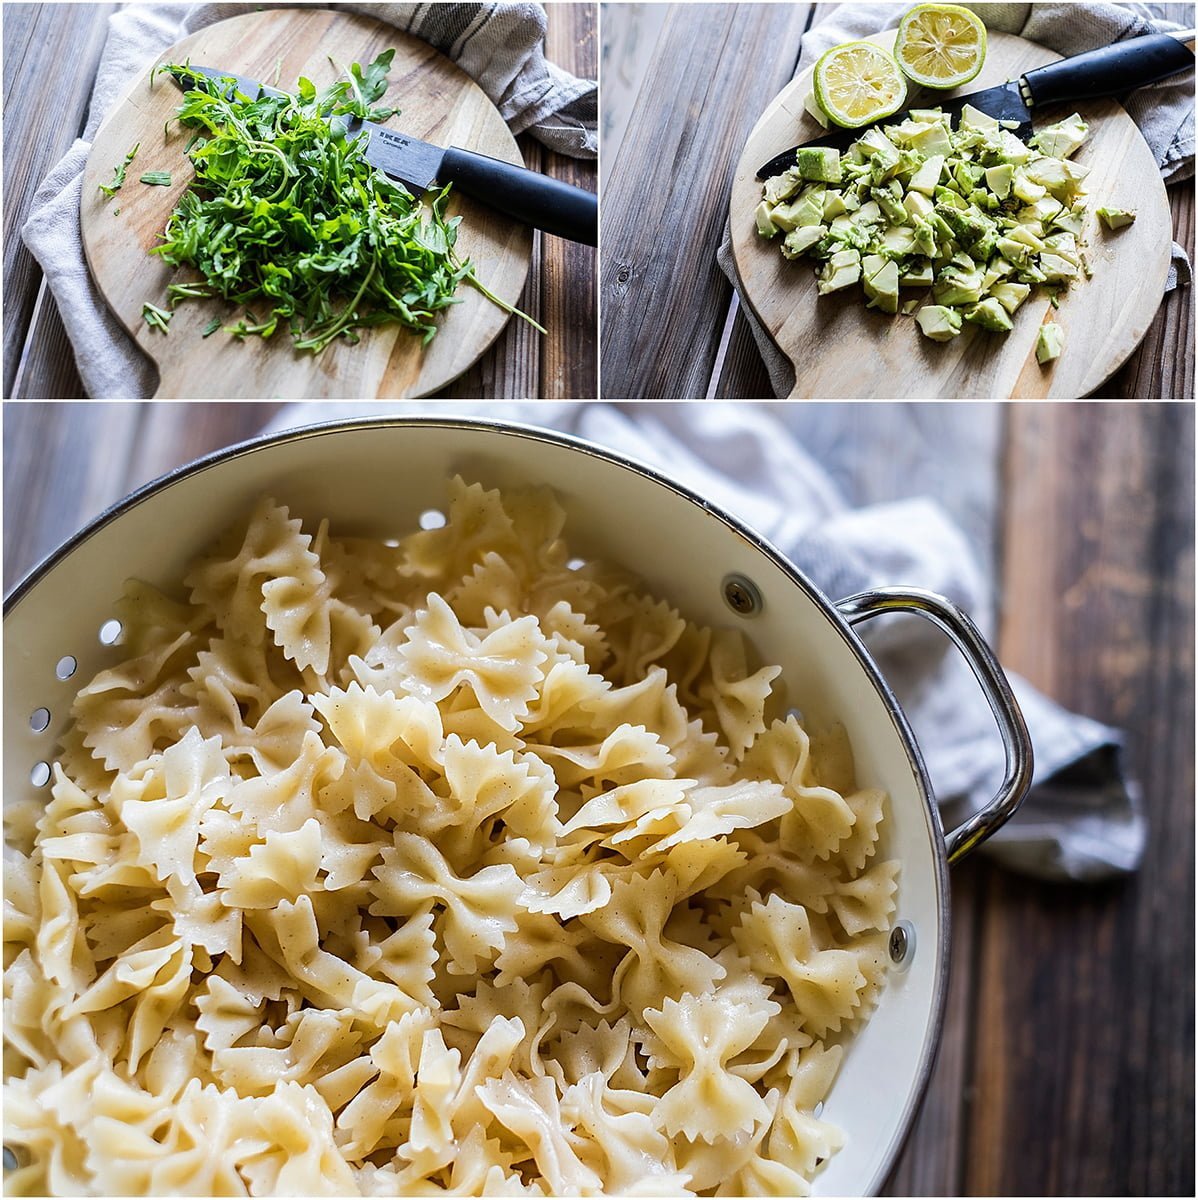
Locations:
(857, 83)
(940, 45)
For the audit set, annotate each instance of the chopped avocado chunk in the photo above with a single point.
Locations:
(938, 322)
(998, 179)
(765, 226)
(800, 240)
(955, 286)
(1050, 341)
(989, 314)
(1062, 139)
(918, 274)
(880, 280)
(782, 187)
(806, 209)
(974, 118)
(842, 269)
(933, 140)
(1115, 218)
(971, 212)
(834, 205)
(1010, 295)
(821, 163)
(928, 176)
(917, 204)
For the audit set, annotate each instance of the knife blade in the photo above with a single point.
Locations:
(1107, 71)
(526, 196)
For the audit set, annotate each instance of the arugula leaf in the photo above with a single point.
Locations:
(157, 178)
(118, 173)
(368, 87)
(286, 219)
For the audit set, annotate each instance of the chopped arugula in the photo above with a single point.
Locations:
(156, 318)
(157, 178)
(118, 173)
(287, 219)
(211, 327)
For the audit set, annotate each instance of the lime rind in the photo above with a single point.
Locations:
(940, 46)
(857, 83)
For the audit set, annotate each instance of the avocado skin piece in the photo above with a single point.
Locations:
(821, 163)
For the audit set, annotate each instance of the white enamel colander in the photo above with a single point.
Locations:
(377, 477)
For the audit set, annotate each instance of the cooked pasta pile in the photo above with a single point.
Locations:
(446, 865)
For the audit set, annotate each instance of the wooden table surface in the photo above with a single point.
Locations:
(41, 122)
(683, 86)
(1067, 1060)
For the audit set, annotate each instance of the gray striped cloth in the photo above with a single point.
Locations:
(1164, 112)
(500, 45)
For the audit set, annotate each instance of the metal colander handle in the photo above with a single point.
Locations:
(986, 669)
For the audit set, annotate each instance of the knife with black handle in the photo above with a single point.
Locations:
(1107, 71)
(526, 196)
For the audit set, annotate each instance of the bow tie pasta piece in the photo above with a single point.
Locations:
(446, 863)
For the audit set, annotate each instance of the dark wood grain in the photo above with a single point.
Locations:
(65, 463)
(40, 123)
(560, 294)
(1163, 364)
(38, 358)
(1084, 1031)
(664, 300)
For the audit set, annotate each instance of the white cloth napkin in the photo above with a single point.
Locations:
(1164, 112)
(500, 45)
(1083, 819)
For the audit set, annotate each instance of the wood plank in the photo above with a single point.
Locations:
(663, 299)
(40, 123)
(569, 354)
(66, 463)
(630, 33)
(47, 370)
(561, 289)
(1163, 365)
(1085, 1023)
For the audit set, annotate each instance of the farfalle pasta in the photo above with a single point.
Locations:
(446, 865)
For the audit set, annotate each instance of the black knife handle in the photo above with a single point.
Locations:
(1110, 70)
(524, 195)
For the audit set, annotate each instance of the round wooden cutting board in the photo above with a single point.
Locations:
(841, 349)
(438, 103)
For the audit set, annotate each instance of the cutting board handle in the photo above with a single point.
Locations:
(1109, 70)
(524, 195)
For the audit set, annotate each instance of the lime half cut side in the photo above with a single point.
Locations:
(857, 83)
(940, 45)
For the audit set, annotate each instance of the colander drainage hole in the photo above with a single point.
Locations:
(10, 1160)
(432, 518)
(576, 564)
(39, 719)
(110, 631)
(65, 667)
(40, 775)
